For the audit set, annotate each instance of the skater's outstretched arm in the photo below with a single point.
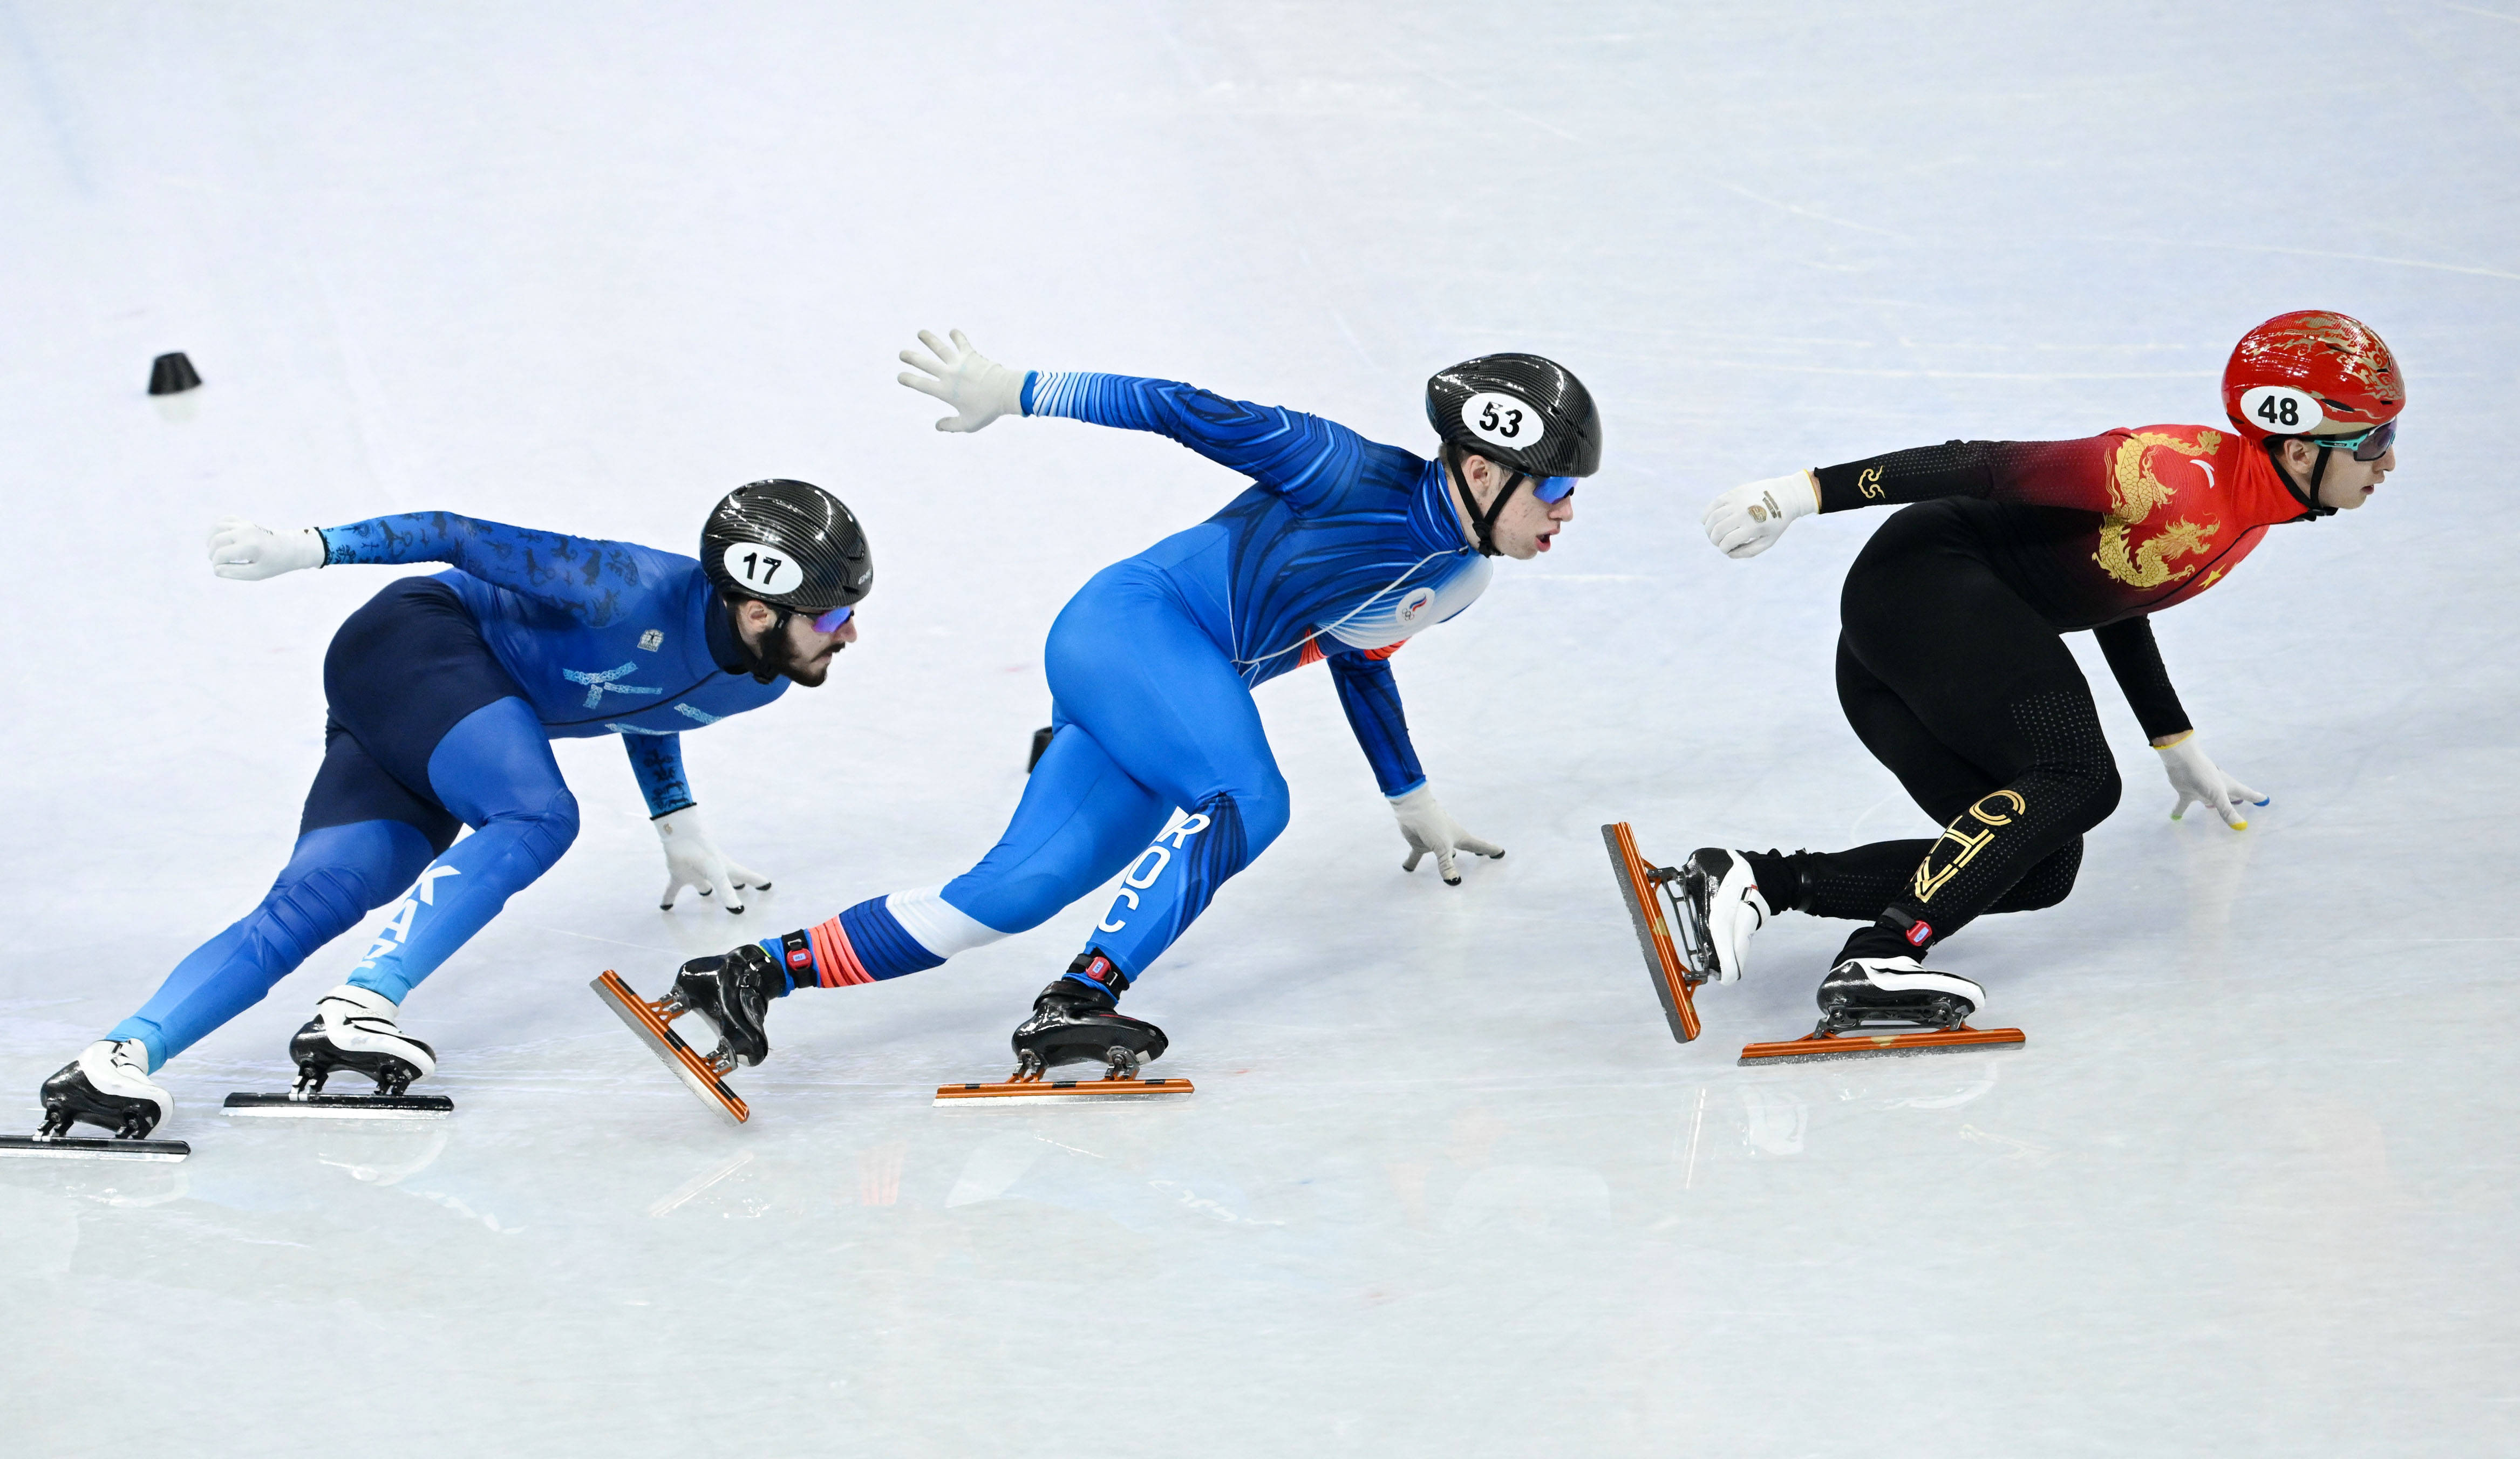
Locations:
(592, 578)
(2074, 475)
(2135, 659)
(1747, 520)
(1302, 457)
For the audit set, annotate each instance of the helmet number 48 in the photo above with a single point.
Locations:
(2283, 409)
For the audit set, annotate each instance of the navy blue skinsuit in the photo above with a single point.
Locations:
(444, 694)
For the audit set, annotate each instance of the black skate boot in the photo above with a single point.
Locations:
(732, 994)
(1863, 993)
(106, 1086)
(354, 1028)
(1077, 1021)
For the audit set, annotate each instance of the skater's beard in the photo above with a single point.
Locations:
(778, 654)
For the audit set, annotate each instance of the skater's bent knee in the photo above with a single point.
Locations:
(1262, 809)
(2045, 884)
(2101, 801)
(1232, 827)
(548, 829)
(557, 821)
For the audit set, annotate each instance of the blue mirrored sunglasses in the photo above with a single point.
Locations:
(830, 623)
(1552, 489)
(2370, 445)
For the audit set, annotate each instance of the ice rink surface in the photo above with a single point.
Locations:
(1448, 1187)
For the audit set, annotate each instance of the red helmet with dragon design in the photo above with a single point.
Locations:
(2312, 372)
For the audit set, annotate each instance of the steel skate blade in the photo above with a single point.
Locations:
(1673, 982)
(1060, 1091)
(1812, 1047)
(343, 1106)
(73, 1148)
(668, 1046)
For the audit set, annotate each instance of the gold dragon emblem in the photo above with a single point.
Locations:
(2135, 493)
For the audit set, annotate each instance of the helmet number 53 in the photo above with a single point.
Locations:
(1501, 418)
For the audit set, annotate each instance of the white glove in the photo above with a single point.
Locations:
(2200, 783)
(1428, 827)
(977, 387)
(243, 550)
(693, 859)
(1747, 520)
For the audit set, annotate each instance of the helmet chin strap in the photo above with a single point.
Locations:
(1485, 521)
(2317, 471)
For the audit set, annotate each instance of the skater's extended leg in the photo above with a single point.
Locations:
(1079, 821)
(1855, 884)
(361, 840)
(495, 771)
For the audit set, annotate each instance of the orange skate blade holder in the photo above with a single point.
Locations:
(1859, 1045)
(1673, 981)
(1035, 1087)
(653, 1026)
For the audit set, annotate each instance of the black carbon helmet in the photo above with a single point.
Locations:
(1519, 410)
(789, 544)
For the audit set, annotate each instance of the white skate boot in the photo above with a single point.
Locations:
(1720, 908)
(106, 1085)
(353, 1029)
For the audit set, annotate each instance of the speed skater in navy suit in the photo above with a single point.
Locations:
(443, 694)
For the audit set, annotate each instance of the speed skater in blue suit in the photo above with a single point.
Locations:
(1157, 771)
(443, 694)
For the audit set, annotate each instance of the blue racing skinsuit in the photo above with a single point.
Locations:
(443, 694)
(1341, 549)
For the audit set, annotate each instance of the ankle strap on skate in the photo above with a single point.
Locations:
(1099, 973)
(793, 952)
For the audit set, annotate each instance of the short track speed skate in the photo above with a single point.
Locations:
(651, 1020)
(108, 1086)
(1659, 910)
(1074, 1023)
(1862, 995)
(353, 1030)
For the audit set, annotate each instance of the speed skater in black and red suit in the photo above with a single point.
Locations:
(1951, 666)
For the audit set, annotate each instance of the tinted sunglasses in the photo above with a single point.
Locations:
(830, 623)
(2370, 445)
(1552, 489)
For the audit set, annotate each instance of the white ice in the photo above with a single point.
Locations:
(1448, 1187)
